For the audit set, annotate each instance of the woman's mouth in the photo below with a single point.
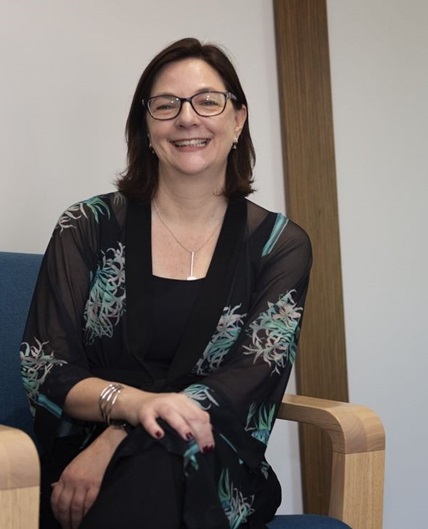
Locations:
(197, 142)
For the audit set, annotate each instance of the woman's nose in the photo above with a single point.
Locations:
(187, 114)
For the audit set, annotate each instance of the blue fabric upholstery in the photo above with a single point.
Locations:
(18, 274)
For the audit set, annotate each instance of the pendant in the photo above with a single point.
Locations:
(192, 259)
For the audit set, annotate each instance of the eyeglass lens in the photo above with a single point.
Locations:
(204, 104)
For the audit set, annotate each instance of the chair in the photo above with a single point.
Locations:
(357, 435)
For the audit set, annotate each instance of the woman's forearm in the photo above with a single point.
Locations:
(82, 401)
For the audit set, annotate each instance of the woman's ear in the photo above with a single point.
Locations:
(240, 119)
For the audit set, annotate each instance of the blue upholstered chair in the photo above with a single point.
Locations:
(356, 432)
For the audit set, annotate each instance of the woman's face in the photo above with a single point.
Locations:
(190, 144)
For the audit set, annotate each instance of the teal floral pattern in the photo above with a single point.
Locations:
(95, 205)
(228, 329)
(106, 302)
(260, 422)
(202, 395)
(264, 469)
(189, 457)
(235, 506)
(274, 333)
(36, 362)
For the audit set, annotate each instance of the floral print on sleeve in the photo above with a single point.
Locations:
(106, 302)
(95, 205)
(227, 333)
(274, 333)
(260, 421)
(36, 362)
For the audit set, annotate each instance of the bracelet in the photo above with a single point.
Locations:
(107, 400)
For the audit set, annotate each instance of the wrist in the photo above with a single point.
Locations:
(112, 436)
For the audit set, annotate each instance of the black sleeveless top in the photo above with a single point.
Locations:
(173, 301)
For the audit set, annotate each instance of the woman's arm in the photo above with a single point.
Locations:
(245, 381)
(141, 407)
(79, 484)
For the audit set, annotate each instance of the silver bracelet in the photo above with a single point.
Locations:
(107, 400)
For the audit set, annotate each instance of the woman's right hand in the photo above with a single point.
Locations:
(179, 411)
(78, 486)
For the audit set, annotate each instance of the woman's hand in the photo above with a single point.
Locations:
(78, 486)
(180, 412)
(141, 407)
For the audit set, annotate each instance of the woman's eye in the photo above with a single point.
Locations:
(209, 103)
(164, 106)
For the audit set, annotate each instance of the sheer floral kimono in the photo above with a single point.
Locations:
(95, 312)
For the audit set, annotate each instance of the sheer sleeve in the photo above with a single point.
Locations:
(245, 387)
(52, 353)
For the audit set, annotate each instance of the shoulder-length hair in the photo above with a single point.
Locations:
(140, 179)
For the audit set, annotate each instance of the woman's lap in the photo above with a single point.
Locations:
(147, 486)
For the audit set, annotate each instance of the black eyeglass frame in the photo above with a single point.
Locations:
(227, 95)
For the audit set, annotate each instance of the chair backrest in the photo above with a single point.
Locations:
(18, 274)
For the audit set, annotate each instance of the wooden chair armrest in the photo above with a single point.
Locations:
(351, 428)
(358, 460)
(19, 480)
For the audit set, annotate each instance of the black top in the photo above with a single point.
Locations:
(173, 301)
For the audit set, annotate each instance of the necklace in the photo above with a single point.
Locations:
(191, 276)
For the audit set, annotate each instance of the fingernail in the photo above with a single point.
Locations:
(207, 448)
(158, 434)
(188, 436)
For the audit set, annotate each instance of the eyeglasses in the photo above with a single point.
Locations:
(205, 104)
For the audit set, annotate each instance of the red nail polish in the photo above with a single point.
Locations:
(158, 434)
(188, 436)
(207, 448)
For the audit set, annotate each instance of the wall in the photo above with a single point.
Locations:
(380, 84)
(69, 69)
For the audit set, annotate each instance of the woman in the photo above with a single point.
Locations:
(165, 320)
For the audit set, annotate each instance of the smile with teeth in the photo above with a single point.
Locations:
(197, 142)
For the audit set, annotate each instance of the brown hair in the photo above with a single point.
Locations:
(140, 179)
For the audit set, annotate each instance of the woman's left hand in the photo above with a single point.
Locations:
(79, 484)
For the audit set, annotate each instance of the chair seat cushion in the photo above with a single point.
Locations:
(307, 521)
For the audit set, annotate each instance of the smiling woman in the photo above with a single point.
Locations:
(159, 411)
(186, 142)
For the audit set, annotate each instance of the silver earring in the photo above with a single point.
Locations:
(235, 145)
(151, 148)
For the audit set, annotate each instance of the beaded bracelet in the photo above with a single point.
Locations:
(107, 400)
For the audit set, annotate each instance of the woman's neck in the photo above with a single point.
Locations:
(187, 204)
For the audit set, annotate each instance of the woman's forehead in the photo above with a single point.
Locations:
(187, 76)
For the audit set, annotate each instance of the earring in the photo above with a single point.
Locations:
(235, 145)
(151, 148)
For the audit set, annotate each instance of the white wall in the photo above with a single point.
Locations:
(379, 60)
(69, 69)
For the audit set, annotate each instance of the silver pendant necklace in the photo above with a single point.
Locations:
(191, 276)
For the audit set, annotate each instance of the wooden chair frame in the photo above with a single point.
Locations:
(358, 456)
(19, 480)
